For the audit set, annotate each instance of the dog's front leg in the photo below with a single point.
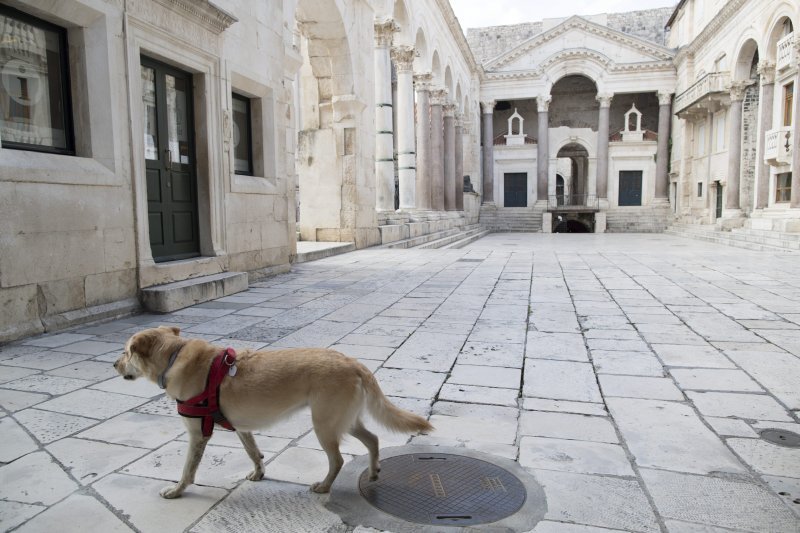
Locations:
(253, 452)
(197, 445)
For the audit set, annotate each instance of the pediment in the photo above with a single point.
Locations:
(576, 37)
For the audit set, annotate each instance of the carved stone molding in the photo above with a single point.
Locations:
(203, 12)
(543, 103)
(766, 70)
(422, 82)
(487, 107)
(384, 32)
(438, 96)
(403, 57)
(449, 110)
(737, 90)
(728, 11)
(664, 98)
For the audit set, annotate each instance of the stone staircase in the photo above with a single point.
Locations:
(522, 219)
(751, 239)
(448, 238)
(638, 219)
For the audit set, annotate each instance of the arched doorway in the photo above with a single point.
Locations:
(576, 158)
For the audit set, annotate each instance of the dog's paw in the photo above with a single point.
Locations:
(256, 475)
(171, 492)
(320, 488)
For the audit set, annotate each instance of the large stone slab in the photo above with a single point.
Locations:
(639, 387)
(88, 461)
(741, 405)
(35, 478)
(567, 426)
(702, 379)
(767, 458)
(562, 346)
(671, 436)
(62, 518)
(574, 456)
(560, 380)
(779, 372)
(435, 352)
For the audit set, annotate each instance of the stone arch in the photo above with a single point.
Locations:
(579, 155)
(421, 52)
(459, 97)
(589, 64)
(574, 103)
(448, 80)
(405, 34)
(746, 57)
(436, 70)
(775, 31)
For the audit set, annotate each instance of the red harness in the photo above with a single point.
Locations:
(206, 404)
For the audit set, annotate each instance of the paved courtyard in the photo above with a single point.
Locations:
(630, 374)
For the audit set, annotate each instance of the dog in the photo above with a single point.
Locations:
(262, 387)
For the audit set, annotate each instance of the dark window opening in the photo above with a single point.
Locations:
(242, 136)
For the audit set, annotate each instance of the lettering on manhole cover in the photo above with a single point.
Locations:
(443, 489)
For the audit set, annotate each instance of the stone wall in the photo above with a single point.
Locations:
(492, 41)
(749, 146)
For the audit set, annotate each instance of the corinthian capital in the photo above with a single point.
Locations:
(403, 57)
(766, 70)
(384, 32)
(487, 107)
(664, 98)
(543, 103)
(438, 96)
(605, 99)
(422, 82)
(737, 90)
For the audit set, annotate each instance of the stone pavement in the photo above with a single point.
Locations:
(630, 374)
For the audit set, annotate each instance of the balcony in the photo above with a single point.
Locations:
(710, 87)
(573, 202)
(778, 146)
(786, 52)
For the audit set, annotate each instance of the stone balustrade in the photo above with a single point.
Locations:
(778, 146)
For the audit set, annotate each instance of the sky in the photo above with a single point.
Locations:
(479, 13)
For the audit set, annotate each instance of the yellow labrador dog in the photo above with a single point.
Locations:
(261, 387)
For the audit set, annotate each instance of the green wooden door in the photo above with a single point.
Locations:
(170, 162)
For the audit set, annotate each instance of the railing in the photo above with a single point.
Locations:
(786, 52)
(573, 202)
(778, 146)
(710, 83)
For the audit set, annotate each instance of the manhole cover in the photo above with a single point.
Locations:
(781, 437)
(443, 489)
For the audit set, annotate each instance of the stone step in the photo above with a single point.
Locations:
(441, 243)
(422, 239)
(180, 294)
(728, 239)
(311, 251)
(468, 240)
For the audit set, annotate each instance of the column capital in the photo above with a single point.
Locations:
(487, 107)
(766, 70)
(438, 96)
(384, 32)
(604, 99)
(403, 57)
(449, 109)
(543, 103)
(422, 82)
(737, 90)
(664, 98)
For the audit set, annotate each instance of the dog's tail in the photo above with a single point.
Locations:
(388, 414)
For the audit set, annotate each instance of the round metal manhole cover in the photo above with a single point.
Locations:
(443, 489)
(781, 437)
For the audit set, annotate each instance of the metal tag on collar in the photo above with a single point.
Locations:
(230, 360)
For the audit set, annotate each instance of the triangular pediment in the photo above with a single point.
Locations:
(578, 37)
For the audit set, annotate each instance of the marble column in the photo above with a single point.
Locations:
(449, 158)
(403, 57)
(795, 194)
(384, 132)
(543, 148)
(459, 168)
(766, 72)
(601, 184)
(487, 139)
(422, 83)
(735, 146)
(438, 97)
(662, 153)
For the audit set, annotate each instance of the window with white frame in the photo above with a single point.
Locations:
(35, 107)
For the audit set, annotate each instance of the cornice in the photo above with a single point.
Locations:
(725, 14)
(576, 22)
(458, 34)
(204, 12)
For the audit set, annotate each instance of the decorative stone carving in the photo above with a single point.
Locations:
(207, 14)
(438, 96)
(487, 107)
(664, 98)
(422, 82)
(636, 134)
(384, 32)
(766, 71)
(737, 90)
(605, 99)
(449, 110)
(403, 57)
(515, 139)
(543, 103)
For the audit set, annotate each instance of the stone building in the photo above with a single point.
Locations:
(160, 153)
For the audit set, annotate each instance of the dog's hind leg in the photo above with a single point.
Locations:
(255, 455)
(330, 443)
(370, 440)
(197, 445)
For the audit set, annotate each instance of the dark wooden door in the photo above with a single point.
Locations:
(630, 187)
(170, 162)
(718, 207)
(516, 189)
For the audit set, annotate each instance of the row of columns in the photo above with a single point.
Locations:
(430, 149)
(543, 147)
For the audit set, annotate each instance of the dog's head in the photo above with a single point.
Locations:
(144, 353)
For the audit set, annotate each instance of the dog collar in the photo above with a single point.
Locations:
(162, 378)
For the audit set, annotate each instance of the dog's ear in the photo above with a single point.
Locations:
(172, 329)
(142, 342)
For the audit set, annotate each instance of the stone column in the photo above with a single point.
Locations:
(403, 57)
(458, 186)
(766, 72)
(543, 148)
(487, 139)
(424, 160)
(662, 154)
(384, 132)
(601, 184)
(735, 146)
(438, 98)
(449, 158)
(795, 197)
